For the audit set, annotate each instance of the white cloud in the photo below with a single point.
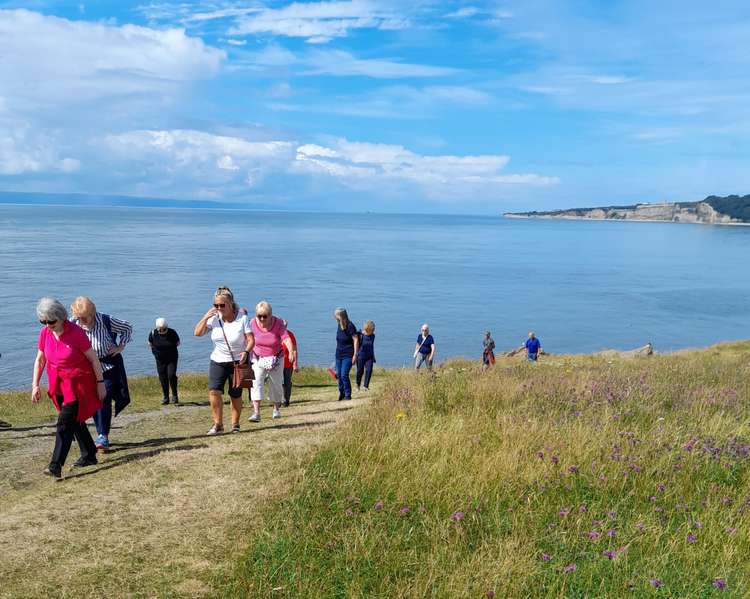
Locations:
(59, 60)
(319, 22)
(341, 64)
(463, 13)
(26, 150)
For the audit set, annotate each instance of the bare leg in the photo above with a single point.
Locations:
(236, 410)
(215, 399)
(256, 408)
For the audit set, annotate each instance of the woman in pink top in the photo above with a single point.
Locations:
(268, 359)
(76, 384)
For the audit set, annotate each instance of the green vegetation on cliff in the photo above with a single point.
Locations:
(734, 206)
(573, 477)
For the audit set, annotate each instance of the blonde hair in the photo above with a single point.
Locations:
(264, 308)
(369, 327)
(342, 317)
(82, 306)
(227, 293)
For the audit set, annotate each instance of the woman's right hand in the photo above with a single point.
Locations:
(210, 314)
(36, 394)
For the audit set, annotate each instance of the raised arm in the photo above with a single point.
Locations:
(202, 327)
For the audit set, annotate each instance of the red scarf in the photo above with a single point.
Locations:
(74, 384)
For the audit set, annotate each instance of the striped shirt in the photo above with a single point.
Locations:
(100, 339)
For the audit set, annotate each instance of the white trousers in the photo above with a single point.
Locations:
(268, 383)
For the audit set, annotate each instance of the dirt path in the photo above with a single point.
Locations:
(164, 514)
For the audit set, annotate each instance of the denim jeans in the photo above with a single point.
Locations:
(532, 357)
(422, 359)
(103, 416)
(364, 367)
(343, 367)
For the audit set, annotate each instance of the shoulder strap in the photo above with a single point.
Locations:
(108, 325)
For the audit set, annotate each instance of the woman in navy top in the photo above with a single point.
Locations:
(424, 351)
(366, 354)
(347, 345)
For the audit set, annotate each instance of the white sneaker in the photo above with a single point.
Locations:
(276, 414)
(254, 418)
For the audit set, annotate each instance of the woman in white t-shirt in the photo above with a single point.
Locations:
(226, 323)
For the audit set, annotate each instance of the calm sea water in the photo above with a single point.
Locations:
(582, 286)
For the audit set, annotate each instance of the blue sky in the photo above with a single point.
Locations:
(428, 106)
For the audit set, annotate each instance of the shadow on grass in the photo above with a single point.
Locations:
(133, 457)
(161, 441)
(316, 386)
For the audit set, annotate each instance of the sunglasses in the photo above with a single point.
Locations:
(47, 321)
(262, 316)
(220, 305)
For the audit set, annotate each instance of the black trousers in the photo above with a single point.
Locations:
(67, 428)
(167, 372)
(288, 373)
(364, 367)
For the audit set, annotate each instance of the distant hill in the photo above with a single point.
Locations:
(78, 199)
(713, 210)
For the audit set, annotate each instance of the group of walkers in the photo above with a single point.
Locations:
(82, 354)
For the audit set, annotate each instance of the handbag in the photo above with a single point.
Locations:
(242, 375)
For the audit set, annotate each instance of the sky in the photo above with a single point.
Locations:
(378, 105)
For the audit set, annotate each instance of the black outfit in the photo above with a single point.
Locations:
(67, 428)
(164, 348)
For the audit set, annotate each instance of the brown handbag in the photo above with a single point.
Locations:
(242, 375)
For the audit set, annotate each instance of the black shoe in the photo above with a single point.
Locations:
(4, 424)
(165, 401)
(84, 462)
(53, 472)
(286, 404)
(175, 400)
(348, 398)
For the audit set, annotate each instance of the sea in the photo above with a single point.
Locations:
(582, 286)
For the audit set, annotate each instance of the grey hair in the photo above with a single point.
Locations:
(50, 308)
(343, 317)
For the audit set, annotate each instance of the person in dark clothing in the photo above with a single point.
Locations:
(488, 351)
(164, 343)
(291, 365)
(366, 354)
(347, 345)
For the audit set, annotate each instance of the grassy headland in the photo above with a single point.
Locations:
(573, 477)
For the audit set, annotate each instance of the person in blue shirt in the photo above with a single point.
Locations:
(424, 351)
(366, 354)
(347, 346)
(533, 347)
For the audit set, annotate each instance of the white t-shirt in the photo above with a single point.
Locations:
(235, 332)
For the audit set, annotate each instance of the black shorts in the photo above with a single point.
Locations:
(219, 374)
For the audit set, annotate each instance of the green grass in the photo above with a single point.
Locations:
(460, 484)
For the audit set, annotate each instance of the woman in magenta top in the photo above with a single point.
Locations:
(268, 359)
(76, 385)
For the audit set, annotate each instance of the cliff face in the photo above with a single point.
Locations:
(704, 212)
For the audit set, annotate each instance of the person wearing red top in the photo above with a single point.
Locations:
(76, 383)
(290, 367)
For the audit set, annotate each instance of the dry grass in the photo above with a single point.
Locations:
(167, 511)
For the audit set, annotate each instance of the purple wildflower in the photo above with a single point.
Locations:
(658, 509)
(378, 506)
(609, 554)
(583, 509)
(691, 538)
(405, 511)
(546, 557)
(697, 524)
(731, 531)
(573, 469)
(611, 533)
(596, 523)
(349, 512)
(661, 488)
(656, 583)
(490, 594)
(577, 413)
(457, 516)
(725, 501)
(720, 583)
(564, 512)
(640, 526)
(540, 455)
(612, 514)
(555, 460)
(594, 535)
(570, 568)
(652, 498)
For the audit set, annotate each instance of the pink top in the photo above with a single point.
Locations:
(268, 342)
(69, 371)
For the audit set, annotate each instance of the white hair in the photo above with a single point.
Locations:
(50, 308)
(161, 323)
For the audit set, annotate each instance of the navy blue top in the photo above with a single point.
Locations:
(345, 341)
(532, 346)
(426, 347)
(367, 347)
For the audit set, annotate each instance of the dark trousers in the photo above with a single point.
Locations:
(167, 372)
(103, 416)
(343, 368)
(288, 372)
(364, 367)
(67, 428)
